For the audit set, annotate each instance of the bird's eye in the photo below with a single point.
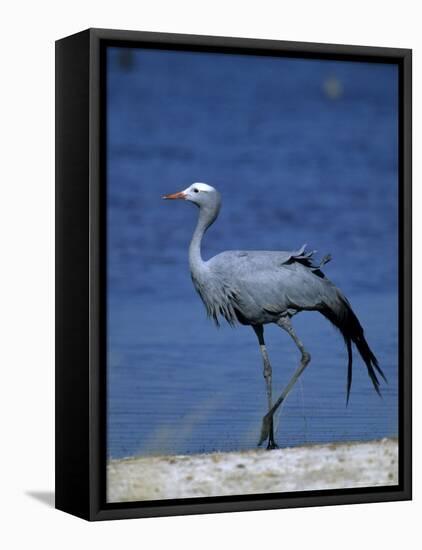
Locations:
(196, 190)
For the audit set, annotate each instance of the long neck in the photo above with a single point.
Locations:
(205, 219)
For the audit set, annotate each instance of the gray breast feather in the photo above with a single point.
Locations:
(257, 285)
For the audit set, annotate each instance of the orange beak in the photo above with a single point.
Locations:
(180, 195)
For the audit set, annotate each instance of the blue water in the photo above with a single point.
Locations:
(302, 151)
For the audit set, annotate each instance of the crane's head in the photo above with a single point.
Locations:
(201, 194)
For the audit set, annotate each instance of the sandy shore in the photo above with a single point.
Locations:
(311, 467)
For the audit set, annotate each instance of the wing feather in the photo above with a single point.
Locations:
(258, 285)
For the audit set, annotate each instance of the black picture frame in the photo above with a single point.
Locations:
(80, 274)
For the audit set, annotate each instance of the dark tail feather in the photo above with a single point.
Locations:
(343, 317)
(349, 367)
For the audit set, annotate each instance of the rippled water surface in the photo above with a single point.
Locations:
(303, 151)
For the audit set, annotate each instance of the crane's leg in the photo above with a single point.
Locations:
(259, 331)
(267, 422)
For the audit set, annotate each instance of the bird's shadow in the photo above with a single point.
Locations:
(45, 497)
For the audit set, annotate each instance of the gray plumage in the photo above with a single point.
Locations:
(260, 287)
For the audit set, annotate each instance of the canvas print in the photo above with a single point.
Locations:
(252, 274)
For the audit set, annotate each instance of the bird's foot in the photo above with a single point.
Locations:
(272, 445)
(265, 428)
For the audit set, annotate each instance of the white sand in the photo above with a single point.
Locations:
(311, 467)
